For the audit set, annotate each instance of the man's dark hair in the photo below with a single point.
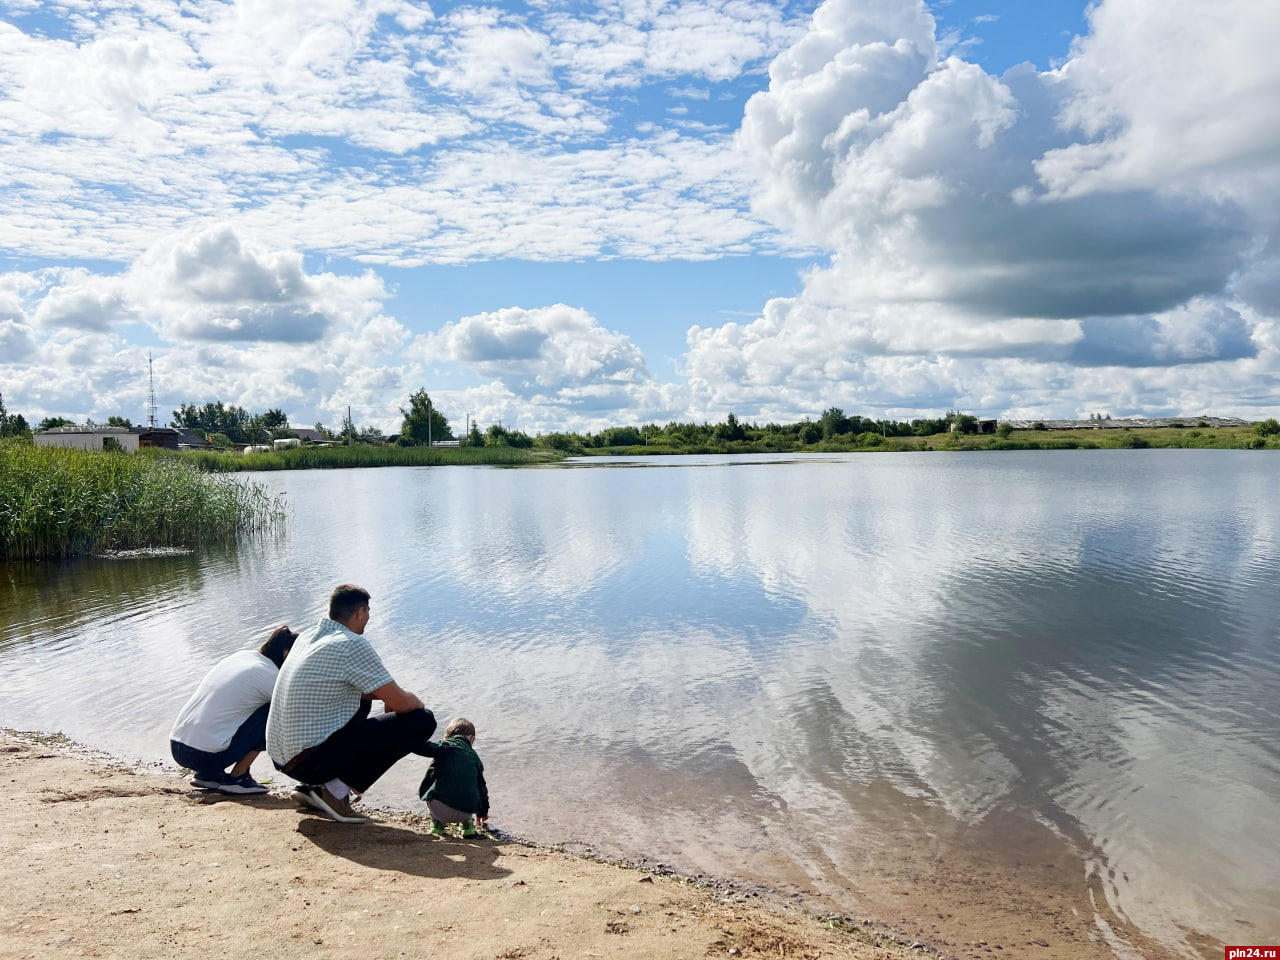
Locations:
(278, 644)
(346, 600)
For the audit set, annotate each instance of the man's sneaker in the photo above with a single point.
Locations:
(305, 794)
(437, 828)
(244, 784)
(332, 807)
(209, 781)
(469, 830)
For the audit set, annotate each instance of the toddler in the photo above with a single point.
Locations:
(454, 784)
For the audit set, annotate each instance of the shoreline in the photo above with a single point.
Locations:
(104, 857)
(718, 914)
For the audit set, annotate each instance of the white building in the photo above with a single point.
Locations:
(89, 438)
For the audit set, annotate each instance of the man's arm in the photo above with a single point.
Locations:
(396, 698)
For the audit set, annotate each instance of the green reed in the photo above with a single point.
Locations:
(60, 503)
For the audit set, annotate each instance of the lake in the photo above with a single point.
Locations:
(1032, 695)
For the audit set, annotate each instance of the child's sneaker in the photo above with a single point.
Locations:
(469, 830)
(437, 828)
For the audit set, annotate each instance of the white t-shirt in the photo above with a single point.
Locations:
(231, 691)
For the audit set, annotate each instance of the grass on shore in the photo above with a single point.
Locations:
(362, 455)
(57, 503)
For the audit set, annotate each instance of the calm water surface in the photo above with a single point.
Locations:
(788, 669)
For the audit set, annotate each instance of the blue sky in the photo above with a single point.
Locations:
(568, 215)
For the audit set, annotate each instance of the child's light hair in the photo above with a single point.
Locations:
(460, 727)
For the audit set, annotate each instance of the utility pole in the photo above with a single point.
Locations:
(151, 397)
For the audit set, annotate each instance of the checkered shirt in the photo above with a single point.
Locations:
(319, 688)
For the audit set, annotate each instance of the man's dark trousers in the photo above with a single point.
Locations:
(364, 749)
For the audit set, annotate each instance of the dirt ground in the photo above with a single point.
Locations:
(100, 859)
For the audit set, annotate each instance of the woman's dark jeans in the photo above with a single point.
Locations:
(251, 736)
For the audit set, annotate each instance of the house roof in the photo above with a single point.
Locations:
(76, 429)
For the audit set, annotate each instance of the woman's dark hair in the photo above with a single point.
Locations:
(278, 644)
(346, 600)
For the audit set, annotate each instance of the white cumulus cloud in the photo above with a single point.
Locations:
(979, 223)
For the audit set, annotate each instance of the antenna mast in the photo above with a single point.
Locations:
(151, 398)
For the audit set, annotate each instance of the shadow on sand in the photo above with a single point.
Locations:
(386, 846)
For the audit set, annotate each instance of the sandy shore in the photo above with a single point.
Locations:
(104, 859)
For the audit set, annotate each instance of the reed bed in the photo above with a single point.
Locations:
(57, 503)
(362, 455)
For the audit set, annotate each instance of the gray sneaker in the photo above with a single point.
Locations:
(332, 807)
(305, 794)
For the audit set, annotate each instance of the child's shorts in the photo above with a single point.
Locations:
(446, 814)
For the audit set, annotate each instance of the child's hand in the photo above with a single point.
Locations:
(482, 823)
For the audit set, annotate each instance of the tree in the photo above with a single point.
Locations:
(832, 422)
(274, 419)
(567, 443)
(237, 423)
(120, 422)
(52, 423)
(1267, 428)
(423, 423)
(16, 426)
(619, 437)
(1004, 431)
(475, 438)
(499, 436)
(730, 430)
(12, 424)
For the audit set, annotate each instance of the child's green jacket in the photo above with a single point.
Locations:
(455, 777)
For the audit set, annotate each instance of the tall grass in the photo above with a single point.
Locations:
(59, 503)
(363, 455)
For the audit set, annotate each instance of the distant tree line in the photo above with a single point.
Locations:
(422, 422)
(832, 428)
